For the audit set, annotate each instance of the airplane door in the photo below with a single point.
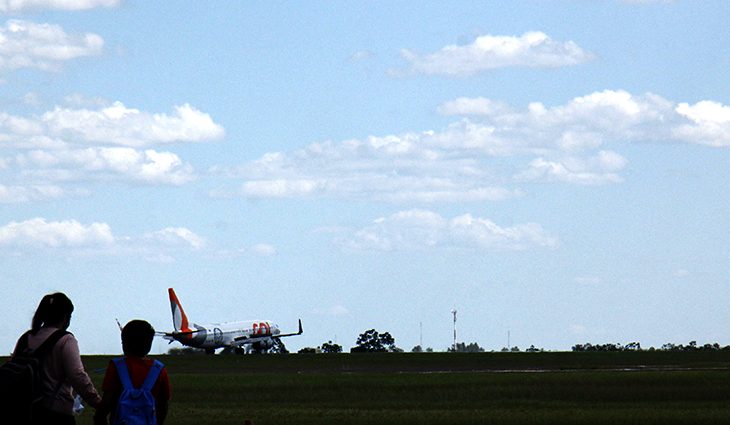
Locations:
(217, 336)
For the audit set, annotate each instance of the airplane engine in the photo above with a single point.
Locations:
(263, 345)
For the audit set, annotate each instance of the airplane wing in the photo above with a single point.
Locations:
(294, 333)
(243, 340)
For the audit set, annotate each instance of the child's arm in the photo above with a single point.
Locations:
(104, 408)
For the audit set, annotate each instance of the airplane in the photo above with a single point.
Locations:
(256, 334)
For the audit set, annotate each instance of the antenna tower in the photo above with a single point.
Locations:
(453, 311)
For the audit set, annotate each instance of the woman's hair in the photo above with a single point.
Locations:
(53, 308)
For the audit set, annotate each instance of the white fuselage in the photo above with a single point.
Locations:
(230, 334)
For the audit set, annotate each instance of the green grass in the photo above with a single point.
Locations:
(443, 388)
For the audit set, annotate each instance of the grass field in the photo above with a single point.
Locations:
(446, 388)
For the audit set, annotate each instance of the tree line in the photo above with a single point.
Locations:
(635, 346)
(372, 341)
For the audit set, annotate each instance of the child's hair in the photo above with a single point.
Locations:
(137, 338)
(52, 309)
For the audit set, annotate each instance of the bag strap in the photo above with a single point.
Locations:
(22, 344)
(123, 373)
(152, 375)
(46, 346)
(149, 381)
(50, 342)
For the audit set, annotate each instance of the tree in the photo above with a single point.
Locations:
(371, 341)
(307, 350)
(330, 347)
(463, 348)
(417, 349)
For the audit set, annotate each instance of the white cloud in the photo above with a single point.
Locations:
(473, 106)
(115, 125)
(482, 156)
(21, 194)
(422, 229)
(23, 5)
(264, 250)
(177, 235)
(55, 234)
(43, 46)
(404, 168)
(709, 123)
(97, 239)
(532, 49)
(149, 166)
(281, 188)
(597, 170)
(584, 123)
(259, 250)
(119, 125)
(361, 56)
(83, 144)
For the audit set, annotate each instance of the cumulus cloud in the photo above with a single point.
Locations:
(487, 52)
(487, 151)
(22, 194)
(708, 123)
(11, 6)
(149, 166)
(403, 168)
(118, 125)
(108, 125)
(601, 117)
(175, 236)
(55, 234)
(46, 47)
(102, 143)
(600, 169)
(423, 229)
(95, 239)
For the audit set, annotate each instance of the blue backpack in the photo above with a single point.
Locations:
(136, 406)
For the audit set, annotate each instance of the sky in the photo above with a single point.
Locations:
(555, 171)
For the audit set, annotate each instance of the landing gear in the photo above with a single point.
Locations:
(210, 351)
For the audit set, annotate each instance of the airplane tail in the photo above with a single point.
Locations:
(179, 319)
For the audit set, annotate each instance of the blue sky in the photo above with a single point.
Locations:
(552, 169)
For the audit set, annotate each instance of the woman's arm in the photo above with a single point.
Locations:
(75, 373)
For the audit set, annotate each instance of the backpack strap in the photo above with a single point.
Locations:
(152, 375)
(124, 377)
(123, 373)
(22, 344)
(49, 343)
(44, 348)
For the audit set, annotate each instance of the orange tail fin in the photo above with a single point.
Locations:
(179, 319)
